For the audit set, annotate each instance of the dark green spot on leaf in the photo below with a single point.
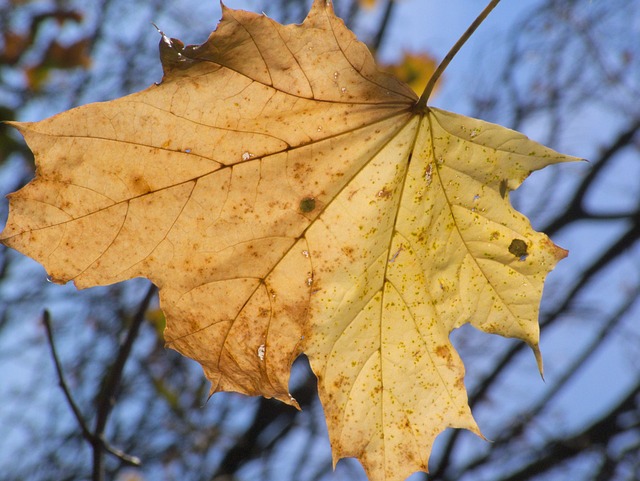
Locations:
(518, 248)
(307, 204)
(503, 188)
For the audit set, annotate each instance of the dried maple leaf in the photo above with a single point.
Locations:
(287, 196)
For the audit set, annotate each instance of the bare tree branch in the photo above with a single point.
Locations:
(107, 396)
(87, 434)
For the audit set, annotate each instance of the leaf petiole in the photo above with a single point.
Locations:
(421, 105)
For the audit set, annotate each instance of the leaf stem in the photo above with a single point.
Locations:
(421, 105)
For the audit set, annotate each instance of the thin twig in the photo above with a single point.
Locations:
(106, 397)
(86, 432)
(350, 17)
(424, 98)
(382, 29)
(118, 453)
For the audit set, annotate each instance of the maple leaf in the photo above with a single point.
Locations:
(286, 196)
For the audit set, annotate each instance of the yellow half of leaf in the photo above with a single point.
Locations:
(286, 197)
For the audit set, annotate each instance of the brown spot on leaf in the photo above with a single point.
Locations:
(139, 185)
(340, 381)
(443, 352)
(384, 193)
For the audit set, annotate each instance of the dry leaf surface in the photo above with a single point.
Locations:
(286, 197)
